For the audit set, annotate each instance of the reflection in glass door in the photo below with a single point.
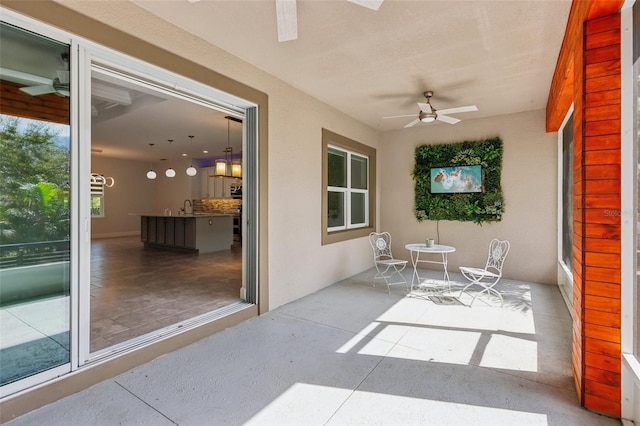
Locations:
(34, 204)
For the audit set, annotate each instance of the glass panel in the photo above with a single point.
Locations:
(96, 207)
(358, 172)
(34, 204)
(636, 213)
(337, 168)
(336, 209)
(139, 287)
(358, 208)
(567, 193)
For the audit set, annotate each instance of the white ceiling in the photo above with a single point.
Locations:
(498, 55)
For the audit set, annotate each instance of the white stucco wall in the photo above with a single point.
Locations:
(529, 183)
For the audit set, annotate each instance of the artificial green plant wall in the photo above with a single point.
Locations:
(479, 207)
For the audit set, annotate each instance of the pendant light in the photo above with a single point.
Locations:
(170, 172)
(229, 167)
(222, 166)
(235, 164)
(151, 175)
(191, 171)
(236, 169)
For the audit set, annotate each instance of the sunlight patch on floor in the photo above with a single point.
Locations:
(373, 408)
(22, 323)
(445, 346)
(510, 353)
(419, 330)
(342, 406)
(316, 402)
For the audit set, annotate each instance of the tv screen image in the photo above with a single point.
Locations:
(458, 179)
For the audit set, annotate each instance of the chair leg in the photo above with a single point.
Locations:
(485, 288)
(388, 279)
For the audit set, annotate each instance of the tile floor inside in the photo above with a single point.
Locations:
(353, 354)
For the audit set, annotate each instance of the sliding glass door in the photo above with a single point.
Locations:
(83, 277)
(35, 211)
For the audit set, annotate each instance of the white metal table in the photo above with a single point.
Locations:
(417, 249)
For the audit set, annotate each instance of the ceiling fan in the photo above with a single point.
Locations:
(287, 17)
(58, 85)
(429, 114)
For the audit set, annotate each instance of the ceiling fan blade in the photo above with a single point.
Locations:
(399, 116)
(413, 123)
(287, 18)
(38, 90)
(447, 119)
(63, 76)
(458, 110)
(424, 107)
(369, 4)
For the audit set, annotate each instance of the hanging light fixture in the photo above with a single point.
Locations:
(229, 167)
(236, 169)
(151, 175)
(191, 171)
(170, 172)
(223, 165)
(236, 164)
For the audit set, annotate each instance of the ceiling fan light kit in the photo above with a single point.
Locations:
(428, 114)
(428, 117)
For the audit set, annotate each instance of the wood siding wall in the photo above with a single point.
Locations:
(597, 177)
(587, 74)
(47, 107)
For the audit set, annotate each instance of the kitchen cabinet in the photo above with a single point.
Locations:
(217, 187)
(200, 233)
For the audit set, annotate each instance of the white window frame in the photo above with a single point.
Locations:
(564, 273)
(348, 190)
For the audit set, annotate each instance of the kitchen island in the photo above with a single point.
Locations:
(200, 233)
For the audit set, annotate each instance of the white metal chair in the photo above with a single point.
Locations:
(492, 272)
(388, 267)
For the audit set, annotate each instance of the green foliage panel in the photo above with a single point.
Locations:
(479, 207)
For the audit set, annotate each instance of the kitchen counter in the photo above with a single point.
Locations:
(200, 233)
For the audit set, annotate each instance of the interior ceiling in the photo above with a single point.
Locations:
(498, 55)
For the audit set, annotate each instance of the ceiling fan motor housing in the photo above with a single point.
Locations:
(428, 117)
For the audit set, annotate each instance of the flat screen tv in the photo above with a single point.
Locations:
(456, 180)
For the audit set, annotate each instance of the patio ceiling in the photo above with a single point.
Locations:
(498, 55)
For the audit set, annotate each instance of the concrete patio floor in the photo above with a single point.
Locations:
(353, 354)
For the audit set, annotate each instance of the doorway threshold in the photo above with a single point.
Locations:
(165, 333)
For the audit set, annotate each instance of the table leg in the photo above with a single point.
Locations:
(446, 272)
(415, 277)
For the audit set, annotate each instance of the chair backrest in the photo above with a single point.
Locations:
(381, 245)
(498, 251)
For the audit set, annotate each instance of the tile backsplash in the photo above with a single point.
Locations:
(217, 205)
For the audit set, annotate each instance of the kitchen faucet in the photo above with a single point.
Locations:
(184, 206)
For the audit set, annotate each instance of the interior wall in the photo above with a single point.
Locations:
(171, 193)
(529, 183)
(132, 194)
